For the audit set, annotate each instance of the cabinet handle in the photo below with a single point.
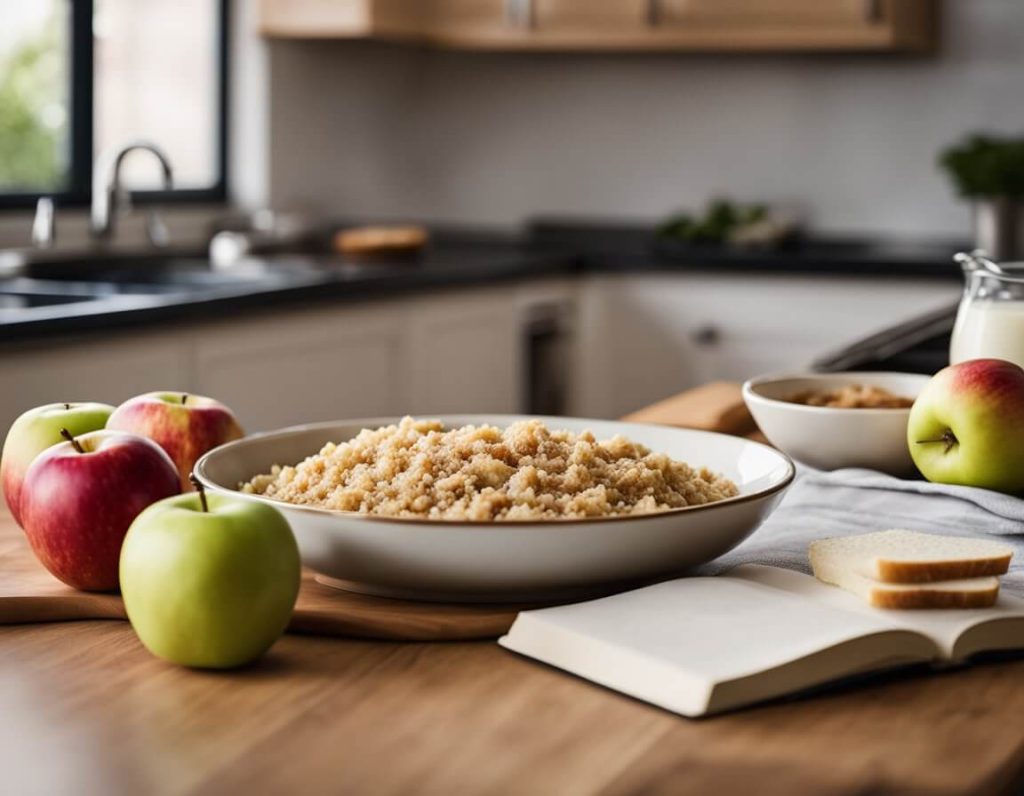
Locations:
(521, 14)
(706, 335)
(653, 13)
(874, 11)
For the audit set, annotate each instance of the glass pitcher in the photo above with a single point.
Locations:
(990, 321)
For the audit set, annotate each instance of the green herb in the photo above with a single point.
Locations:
(721, 218)
(986, 165)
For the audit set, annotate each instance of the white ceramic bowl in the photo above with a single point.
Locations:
(828, 438)
(503, 561)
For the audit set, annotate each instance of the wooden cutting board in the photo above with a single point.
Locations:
(30, 594)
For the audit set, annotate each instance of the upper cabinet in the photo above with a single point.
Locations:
(623, 25)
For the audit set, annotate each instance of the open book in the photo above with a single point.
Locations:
(702, 645)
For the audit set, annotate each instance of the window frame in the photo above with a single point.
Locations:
(78, 189)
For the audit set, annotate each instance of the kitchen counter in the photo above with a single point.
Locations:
(87, 710)
(457, 259)
(624, 247)
(288, 280)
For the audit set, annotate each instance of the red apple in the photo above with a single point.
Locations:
(35, 431)
(186, 426)
(79, 498)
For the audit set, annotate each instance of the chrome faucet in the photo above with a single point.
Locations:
(108, 195)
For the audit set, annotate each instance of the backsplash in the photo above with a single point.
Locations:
(364, 129)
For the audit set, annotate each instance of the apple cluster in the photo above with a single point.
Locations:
(75, 475)
(208, 582)
(967, 426)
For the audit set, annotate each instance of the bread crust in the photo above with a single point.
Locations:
(889, 571)
(924, 598)
(380, 240)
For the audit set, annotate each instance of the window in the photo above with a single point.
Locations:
(78, 77)
(35, 46)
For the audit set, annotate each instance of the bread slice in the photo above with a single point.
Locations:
(381, 240)
(966, 593)
(911, 557)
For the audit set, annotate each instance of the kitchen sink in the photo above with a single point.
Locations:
(80, 278)
(14, 299)
(141, 275)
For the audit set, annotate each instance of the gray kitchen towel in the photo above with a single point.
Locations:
(852, 501)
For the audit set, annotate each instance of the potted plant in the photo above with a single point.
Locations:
(989, 170)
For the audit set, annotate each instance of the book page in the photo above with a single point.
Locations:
(674, 642)
(958, 632)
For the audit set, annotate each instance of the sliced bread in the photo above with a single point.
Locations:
(910, 557)
(967, 593)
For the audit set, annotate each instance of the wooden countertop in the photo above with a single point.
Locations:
(85, 709)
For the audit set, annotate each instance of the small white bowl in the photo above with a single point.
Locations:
(829, 438)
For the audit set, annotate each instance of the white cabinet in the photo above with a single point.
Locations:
(629, 340)
(465, 354)
(455, 351)
(450, 351)
(654, 335)
(301, 367)
(469, 351)
(107, 370)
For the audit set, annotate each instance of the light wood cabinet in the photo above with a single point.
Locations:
(766, 12)
(872, 25)
(532, 24)
(616, 25)
(343, 19)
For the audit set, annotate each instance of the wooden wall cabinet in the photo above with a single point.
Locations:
(616, 25)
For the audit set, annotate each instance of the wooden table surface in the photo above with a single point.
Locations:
(84, 709)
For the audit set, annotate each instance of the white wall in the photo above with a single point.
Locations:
(365, 129)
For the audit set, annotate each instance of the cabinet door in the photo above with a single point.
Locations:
(107, 370)
(532, 23)
(775, 13)
(465, 353)
(664, 334)
(583, 17)
(469, 21)
(295, 368)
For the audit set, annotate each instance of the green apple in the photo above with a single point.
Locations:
(967, 426)
(35, 431)
(209, 581)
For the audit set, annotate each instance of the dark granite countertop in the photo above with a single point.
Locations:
(627, 247)
(31, 309)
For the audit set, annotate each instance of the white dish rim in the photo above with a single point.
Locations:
(761, 494)
(750, 393)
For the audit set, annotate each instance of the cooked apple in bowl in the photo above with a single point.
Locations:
(853, 396)
(526, 471)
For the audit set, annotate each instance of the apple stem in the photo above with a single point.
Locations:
(948, 438)
(199, 488)
(184, 398)
(71, 438)
(66, 406)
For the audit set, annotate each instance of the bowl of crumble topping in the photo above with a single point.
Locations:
(835, 420)
(504, 507)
